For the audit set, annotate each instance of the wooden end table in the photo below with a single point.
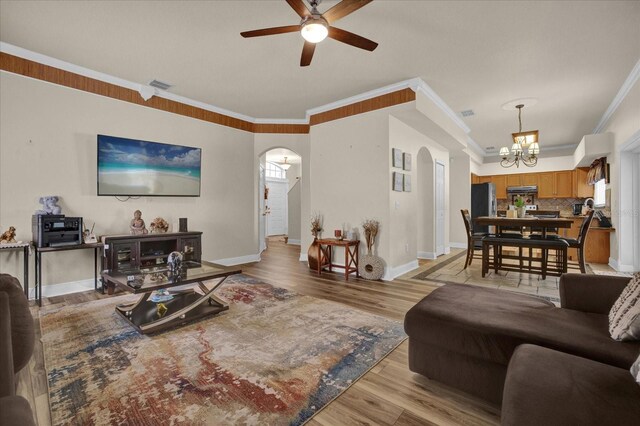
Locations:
(350, 255)
(185, 306)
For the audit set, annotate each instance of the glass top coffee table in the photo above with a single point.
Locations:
(159, 307)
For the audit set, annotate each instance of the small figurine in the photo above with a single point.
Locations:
(137, 226)
(9, 236)
(159, 226)
(49, 205)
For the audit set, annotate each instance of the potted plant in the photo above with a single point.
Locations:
(519, 203)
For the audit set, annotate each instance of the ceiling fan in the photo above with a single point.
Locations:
(315, 27)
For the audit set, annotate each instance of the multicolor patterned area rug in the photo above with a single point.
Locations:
(274, 358)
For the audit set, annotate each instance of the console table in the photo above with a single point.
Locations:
(350, 255)
(129, 253)
(25, 261)
(38, 270)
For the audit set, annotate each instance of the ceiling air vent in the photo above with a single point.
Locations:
(160, 84)
(467, 113)
(490, 148)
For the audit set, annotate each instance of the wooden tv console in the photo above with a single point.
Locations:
(124, 253)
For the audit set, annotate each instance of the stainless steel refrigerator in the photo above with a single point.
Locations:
(483, 203)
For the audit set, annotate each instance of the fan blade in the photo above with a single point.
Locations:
(271, 31)
(352, 39)
(344, 8)
(299, 7)
(307, 53)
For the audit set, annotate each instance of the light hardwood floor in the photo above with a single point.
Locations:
(389, 394)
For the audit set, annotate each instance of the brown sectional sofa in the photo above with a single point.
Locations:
(16, 347)
(465, 336)
(547, 387)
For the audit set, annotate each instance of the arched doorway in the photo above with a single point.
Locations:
(279, 196)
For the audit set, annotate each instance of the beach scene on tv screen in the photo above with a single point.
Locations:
(132, 167)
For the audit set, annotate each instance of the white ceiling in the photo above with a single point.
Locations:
(573, 56)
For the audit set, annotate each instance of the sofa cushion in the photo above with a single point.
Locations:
(635, 370)
(546, 387)
(22, 330)
(624, 317)
(15, 410)
(489, 324)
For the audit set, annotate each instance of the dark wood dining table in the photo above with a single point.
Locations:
(543, 223)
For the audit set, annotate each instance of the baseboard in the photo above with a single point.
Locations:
(293, 242)
(304, 257)
(52, 290)
(426, 255)
(231, 261)
(458, 245)
(620, 267)
(392, 273)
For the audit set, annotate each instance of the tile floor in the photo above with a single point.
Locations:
(519, 282)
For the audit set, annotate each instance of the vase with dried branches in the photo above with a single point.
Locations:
(315, 255)
(371, 267)
(316, 225)
(371, 228)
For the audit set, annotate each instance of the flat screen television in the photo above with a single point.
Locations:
(130, 167)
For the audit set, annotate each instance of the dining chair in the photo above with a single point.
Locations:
(579, 242)
(472, 237)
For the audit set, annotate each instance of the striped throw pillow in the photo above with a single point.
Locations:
(624, 317)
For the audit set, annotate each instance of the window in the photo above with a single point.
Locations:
(275, 171)
(599, 197)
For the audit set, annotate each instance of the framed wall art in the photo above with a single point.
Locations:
(397, 157)
(407, 183)
(398, 181)
(406, 161)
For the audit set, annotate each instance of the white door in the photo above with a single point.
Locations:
(439, 208)
(277, 203)
(261, 212)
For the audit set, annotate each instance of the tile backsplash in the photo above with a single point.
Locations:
(565, 205)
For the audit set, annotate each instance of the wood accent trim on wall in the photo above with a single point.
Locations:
(379, 102)
(38, 71)
(28, 68)
(280, 128)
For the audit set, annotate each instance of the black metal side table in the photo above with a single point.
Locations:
(26, 247)
(38, 270)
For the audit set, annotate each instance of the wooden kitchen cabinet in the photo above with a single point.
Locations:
(563, 184)
(581, 189)
(546, 186)
(555, 184)
(514, 180)
(474, 178)
(597, 246)
(500, 182)
(484, 179)
(529, 179)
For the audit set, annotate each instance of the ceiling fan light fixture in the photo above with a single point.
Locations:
(314, 29)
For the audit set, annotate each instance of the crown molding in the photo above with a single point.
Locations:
(266, 125)
(406, 84)
(96, 75)
(425, 89)
(632, 78)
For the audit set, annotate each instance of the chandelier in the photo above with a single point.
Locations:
(521, 141)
